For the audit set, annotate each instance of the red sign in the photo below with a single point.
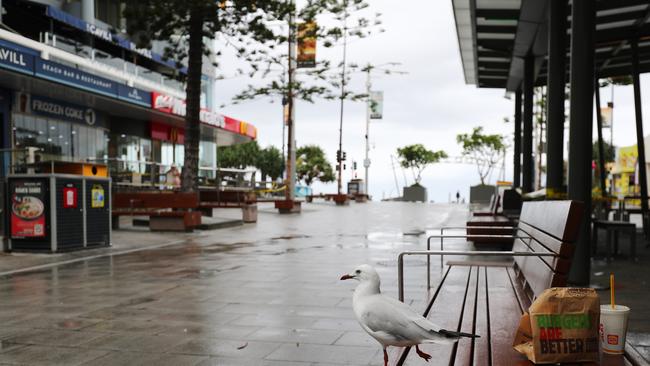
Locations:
(69, 197)
(27, 208)
(165, 132)
(172, 105)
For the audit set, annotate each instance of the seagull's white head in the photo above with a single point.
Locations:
(363, 273)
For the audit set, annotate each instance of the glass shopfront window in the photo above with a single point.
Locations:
(207, 159)
(133, 152)
(59, 140)
(172, 154)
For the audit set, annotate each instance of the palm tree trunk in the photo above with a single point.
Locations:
(193, 97)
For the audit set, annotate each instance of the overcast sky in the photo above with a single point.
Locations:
(430, 105)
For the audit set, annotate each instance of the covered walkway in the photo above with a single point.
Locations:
(518, 45)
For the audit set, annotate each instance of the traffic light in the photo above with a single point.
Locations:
(354, 165)
(339, 157)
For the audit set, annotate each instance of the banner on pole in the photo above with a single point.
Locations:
(307, 45)
(376, 104)
(606, 116)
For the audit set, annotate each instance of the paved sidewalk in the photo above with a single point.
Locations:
(261, 294)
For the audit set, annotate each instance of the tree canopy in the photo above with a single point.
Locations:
(487, 150)
(239, 156)
(270, 162)
(270, 60)
(416, 157)
(187, 27)
(311, 165)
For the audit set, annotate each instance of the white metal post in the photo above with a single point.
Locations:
(291, 140)
(366, 162)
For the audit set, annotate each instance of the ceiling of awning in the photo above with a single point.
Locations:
(497, 61)
(486, 33)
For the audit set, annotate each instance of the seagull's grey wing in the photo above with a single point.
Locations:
(395, 319)
(411, 315)
(435, 332)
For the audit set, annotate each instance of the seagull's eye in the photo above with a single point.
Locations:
(358, 271)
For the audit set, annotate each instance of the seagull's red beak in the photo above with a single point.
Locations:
(346, 277)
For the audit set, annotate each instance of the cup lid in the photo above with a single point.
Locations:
(617, 308)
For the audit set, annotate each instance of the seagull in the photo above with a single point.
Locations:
(391, 322)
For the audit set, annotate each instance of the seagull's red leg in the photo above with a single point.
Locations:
(385, 357)
(426, 356)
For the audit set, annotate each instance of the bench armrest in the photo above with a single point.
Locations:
(465, 236)
(428, 253)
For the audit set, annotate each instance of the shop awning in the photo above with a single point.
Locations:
(494, 35)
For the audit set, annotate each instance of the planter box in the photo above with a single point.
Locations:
(341, 199)
(481, 193)
(288, 206)
(415, 194)
(249, 213)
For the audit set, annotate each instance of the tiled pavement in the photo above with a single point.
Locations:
(262, 294)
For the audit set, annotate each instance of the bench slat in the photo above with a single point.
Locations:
(504, 312)
(558, 264)
(560, 219)
(482, 353)
(552, 244)
(444, 313)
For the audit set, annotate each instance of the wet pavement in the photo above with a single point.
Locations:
(260, 294)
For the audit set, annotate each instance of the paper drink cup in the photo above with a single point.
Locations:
(613, 328)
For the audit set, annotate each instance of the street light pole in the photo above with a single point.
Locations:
(343, 76)
(291, 140)
(366, 162)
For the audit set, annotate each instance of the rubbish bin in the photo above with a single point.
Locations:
(52, 212)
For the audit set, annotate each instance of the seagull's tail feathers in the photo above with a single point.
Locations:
(452, 334)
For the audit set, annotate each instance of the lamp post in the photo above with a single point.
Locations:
(368, 70)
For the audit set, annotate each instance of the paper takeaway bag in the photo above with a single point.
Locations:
(561, 326)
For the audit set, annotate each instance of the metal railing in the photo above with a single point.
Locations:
(428, 253)
(143, 174)
(477, 236)
(526, 240)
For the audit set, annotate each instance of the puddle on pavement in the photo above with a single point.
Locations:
(290, 237)
(221, 248)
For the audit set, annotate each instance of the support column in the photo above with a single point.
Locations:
(581, 130)
(527, 148)
(555, 96)
(640, 143)
(601, 147)
(516, 179)
(88, 11)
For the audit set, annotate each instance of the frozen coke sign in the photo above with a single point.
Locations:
(173, 105)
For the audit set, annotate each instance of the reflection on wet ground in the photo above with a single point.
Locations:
(263, 294)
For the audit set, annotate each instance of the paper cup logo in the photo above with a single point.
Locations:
(90, 117)
(612, 339)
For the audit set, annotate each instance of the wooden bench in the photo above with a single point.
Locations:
(167, 211)
(490, 227)
(246, 200)
(488, 298)
(493, 208)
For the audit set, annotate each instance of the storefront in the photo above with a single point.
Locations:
(62, 131)
(72, 115)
